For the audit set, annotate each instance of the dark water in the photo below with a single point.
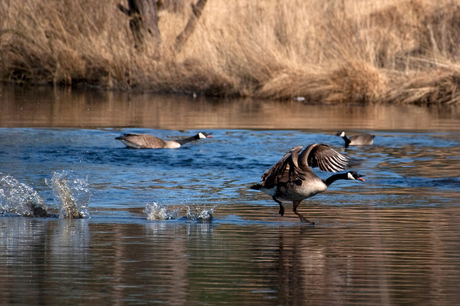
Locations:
(392, 240)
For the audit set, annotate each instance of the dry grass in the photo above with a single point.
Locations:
(325, 51)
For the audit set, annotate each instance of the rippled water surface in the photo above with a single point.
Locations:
(148, 237)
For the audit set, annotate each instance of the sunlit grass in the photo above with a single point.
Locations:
(324, 51)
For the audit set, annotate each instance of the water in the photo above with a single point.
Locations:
(182, 227)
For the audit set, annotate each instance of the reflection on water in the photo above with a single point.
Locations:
(386, 256)
(43, 107)
(392, 240)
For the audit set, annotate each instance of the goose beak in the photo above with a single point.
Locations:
(359, 177)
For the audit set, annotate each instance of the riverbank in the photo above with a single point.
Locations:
(315, 51)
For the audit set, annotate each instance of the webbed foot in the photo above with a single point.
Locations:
(304, 220)
(281, 212)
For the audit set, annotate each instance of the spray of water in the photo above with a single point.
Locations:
(19, 198)
(72, 194)
(157, 211)
(199, 213)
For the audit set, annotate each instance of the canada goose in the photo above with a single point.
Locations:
(291, 179)
(146, 141)
(356, 140)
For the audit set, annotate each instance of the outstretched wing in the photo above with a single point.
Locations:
(284, 171)
(326, 158)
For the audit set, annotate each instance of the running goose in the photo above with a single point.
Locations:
(291, 179)
(356, 140)
(146, 141)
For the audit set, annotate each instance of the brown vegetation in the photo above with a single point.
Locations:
(332, 51)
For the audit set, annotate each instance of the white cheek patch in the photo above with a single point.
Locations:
(350, 177)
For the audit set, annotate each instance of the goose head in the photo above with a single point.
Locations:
(341, 133)
(353, 175)
(202, 135)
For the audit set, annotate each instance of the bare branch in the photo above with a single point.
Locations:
(182, 38)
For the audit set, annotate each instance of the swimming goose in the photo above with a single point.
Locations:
(356, 140)
(291, 179)
(146, 141)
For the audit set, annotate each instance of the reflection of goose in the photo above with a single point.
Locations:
(145, 141)
(291, 179)
(356, 140)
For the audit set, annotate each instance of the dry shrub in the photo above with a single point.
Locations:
(333, 50)
(352, 81)
(194, 78)
(358, 81)
(441, 31)
(311, 84)
(393, 32)
(439, 86)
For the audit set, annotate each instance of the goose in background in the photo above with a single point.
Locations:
(291, 178)
(356, 140)
(146, 141)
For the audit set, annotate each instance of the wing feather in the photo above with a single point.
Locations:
(283, 171)
(142, 141)
(325, 158)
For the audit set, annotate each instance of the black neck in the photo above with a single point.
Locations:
(347, 141)
(188, 139)
(335, 177)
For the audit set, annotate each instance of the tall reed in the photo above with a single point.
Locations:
(323, 51)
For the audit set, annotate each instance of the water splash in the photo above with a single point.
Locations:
(19, 198)
(157, 211)
(199, 213)
(72, 193)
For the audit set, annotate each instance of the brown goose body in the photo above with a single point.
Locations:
(357, 140)
(291, 178)
(146, 141)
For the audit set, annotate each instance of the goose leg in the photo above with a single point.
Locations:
(302, 218)
(281, 212)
